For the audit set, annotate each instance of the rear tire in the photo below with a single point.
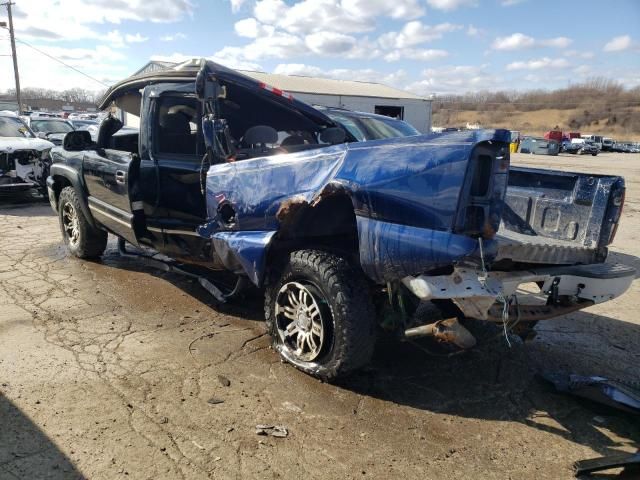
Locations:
(82, 239)
(320, 315)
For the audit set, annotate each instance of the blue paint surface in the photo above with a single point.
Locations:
(244, 251)
(390, 251)
(412, 182)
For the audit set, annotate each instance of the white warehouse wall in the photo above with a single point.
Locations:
(416, 112)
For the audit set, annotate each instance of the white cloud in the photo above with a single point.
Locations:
(455, 79)
(520, 41)
(329, 43)
(558, 42)
(137, 38)
(618, 44)
(583, 70)
(104, 63)
(418, 54)
(579, 54)
(251, 28)
(474, 32)
(516, 41)
(451, 4)
(340, 16)
(116, 39)
(415, 33)
(511, 3)
(276, 45)
(173, 37)
(227, 58)
(76, 19)
(236, 5)
(539, 63)
(395, 79)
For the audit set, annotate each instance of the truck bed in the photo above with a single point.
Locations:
(554, 217)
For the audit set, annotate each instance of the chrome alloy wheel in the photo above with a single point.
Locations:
(70, 223)
(300, 321)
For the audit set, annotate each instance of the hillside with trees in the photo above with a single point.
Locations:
(598, 106)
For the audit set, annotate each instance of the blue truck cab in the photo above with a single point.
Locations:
(234, 175)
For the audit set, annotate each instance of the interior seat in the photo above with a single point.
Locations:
(175, 134)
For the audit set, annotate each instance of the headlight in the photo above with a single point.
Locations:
(46, 154)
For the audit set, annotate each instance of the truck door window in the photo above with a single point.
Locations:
(177, 127)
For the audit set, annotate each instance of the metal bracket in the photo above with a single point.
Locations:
(170, 266)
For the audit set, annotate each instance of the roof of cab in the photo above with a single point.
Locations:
(187, 72)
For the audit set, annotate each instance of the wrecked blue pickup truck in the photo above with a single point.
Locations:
(233, 175)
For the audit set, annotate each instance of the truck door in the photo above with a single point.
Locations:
(110, 179)
(176, 146)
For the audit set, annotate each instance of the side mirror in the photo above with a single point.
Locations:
(77, 141)
(41, 135)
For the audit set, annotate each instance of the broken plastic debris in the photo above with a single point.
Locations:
(631, 462)
(272, 430)
(613, 393)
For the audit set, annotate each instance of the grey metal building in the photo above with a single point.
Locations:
(367, 97)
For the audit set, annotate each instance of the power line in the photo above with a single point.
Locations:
(61, 62)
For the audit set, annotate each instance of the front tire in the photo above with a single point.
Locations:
(82, 239)
(320, 315)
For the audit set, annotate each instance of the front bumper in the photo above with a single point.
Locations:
(10, 185)
(482, 297)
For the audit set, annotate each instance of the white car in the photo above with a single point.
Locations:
(24, 158)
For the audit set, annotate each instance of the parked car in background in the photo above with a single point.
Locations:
(607, 144)
(24, 158)
(585, 147)
(90, 126)
(539, 146)
(597, 139)
(82, 124)
(368, 126)
(52, 129)
(568, 147)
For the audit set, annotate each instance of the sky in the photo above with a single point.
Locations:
(429, 47)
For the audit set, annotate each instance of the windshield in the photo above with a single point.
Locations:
(374, 128)
(50, 126)
(387, 128)
(351, 125)
(14, 127)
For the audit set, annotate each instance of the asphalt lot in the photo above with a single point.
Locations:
(112, 370)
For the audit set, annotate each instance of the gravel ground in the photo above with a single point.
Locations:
(112, 370)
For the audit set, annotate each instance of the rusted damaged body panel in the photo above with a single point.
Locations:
(406, 194)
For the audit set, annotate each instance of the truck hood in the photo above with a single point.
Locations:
(11, 144)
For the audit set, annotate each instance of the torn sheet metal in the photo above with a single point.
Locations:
(613, 393)
(389, 251)
(405, 181)
(243, 252)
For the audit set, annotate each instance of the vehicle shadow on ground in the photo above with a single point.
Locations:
(26, 451)
(248, 307)
(496, 382)
(25, 204)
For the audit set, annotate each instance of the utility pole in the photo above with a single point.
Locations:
(15, 56)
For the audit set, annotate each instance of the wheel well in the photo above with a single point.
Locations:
(328, 224)
(60, 182)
